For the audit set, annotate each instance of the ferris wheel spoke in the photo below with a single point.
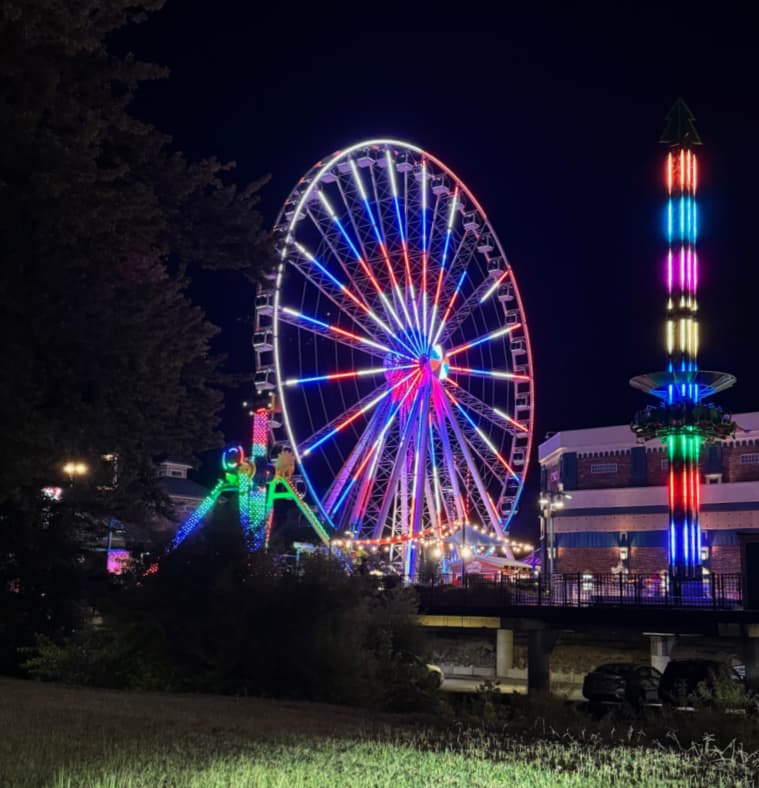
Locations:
(355, 308)
(447, 312)
(499, 332)
(435, 486)
(360, 260)
(483, 436)
(446, 247)
(479, 296)
(330, 239)
(409, 285)
(461, 260)
(486, 373)
(423, 245)
(335, 333)
(372, 476)
(340, 376)
(432, 507)
(402, 232)
(361, 302)
(454, 272)
(493, 287)
(381, 237)
(473, 471)
(420, 463)
(481, 452)
(346, 478)
(366, 478)
(397, 474)
(381, 422)
(480, 448)
(427, 243)
(368, 482)
(346, 420)
(350, 213)
(492, 414)
(428, 232)
(450, 467)
(340, 234)
(329, 426)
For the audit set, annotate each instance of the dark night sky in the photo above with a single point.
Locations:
(551, 120)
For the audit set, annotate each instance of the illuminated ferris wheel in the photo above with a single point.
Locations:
(401, 354)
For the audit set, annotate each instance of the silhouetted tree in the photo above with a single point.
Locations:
(100, 218)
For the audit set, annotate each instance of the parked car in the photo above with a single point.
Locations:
(683, 677)
(622, 682)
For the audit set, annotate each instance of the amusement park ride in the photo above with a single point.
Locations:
(394, 368)
(681, 419)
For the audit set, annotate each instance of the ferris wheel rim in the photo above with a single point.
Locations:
(312, 179)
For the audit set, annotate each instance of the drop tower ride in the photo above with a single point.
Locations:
(680, 419)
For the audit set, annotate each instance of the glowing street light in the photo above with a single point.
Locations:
(549, 501)
(74, 468)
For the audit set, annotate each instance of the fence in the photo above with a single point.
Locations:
(715, 591)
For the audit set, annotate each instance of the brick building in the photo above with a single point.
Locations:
(616, 517)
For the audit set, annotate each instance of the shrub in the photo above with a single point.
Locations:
(238, 626)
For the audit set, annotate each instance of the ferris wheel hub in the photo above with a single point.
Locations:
(439, 362)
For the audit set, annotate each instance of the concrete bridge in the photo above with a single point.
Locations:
(710, 608)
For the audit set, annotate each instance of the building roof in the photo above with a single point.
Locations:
(175, 459)
(621, 437)
(182, 488)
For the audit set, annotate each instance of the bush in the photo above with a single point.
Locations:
(233, 624)
(723, 693)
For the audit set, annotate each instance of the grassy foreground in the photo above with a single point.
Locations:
(56, 736)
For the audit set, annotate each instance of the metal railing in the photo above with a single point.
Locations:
(715, 591)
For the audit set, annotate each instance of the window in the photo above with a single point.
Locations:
(604, 467)
(749, 459)
(665, 465)
(176, 474)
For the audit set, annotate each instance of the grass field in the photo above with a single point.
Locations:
(56, 736)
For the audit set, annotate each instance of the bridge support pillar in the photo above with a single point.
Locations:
(751, 656)
(504, 652)
(540, 643)
(662, 645)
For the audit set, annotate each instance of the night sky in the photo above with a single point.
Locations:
(552, 121)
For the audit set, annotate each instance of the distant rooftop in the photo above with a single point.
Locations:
(175, 459)
(620, 437)
(182, 488)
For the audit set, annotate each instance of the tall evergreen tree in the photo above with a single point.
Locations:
(100, 218)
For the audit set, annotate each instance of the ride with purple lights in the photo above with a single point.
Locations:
(399, 351)
(681, 420)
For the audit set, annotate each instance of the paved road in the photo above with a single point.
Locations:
(471, 683)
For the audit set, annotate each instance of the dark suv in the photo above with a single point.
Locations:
(682, 679)
(622, 682)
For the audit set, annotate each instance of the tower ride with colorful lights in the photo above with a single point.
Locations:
(681, 419)
(394, 356)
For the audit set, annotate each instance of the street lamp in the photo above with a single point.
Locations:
(465, 551)
(549, 501)
(74, 468)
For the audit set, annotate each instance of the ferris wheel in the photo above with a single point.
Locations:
(401, 355)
